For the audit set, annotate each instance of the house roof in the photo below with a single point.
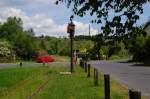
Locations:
(147, 27)
(147, 24)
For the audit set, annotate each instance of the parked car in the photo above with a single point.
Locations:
(46, 59)
(43, 56)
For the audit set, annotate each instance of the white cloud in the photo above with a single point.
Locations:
(7, 12)
(42, 1)
(83, 28)
(43, 24)
(11, 3)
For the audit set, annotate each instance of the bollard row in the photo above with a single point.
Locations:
(132, 93)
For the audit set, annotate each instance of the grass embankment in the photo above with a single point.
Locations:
(20, 83)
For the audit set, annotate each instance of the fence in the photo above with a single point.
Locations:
(133, 94)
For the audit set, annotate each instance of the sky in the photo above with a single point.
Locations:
(46, 18)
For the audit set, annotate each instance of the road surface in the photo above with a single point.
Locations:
(133, 76)
(27, 64)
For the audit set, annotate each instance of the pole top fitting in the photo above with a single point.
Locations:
(71, 18)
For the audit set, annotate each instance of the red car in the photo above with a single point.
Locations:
(46, 59)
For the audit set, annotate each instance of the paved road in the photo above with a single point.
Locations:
(134, 76)
(27, 64)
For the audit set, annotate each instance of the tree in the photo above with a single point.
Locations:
(5, 48)
(11, 27)
(22, 40)
(126, 13)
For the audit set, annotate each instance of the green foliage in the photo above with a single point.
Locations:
(5, 48)
(121, 26)
(84, 44)
(138, 44)
(10, 28)
(28, 78)
(10, 77)
(99, 41)
(105, 47)
(114, 57)
(126, 13)
(141, 51)
(119, 49)
(20, 83)
(22, 41)
(27, 45)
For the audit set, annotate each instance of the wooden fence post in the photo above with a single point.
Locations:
(85, 66)
(89, 70)
(134, 94)
(107, 86)
(95, 77)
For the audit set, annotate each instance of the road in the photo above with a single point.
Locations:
(133, 76)
(27, 64)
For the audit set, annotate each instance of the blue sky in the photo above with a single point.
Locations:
(49, 19)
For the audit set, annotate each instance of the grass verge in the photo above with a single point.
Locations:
(20, 83)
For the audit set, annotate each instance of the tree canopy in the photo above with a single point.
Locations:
(127, 13)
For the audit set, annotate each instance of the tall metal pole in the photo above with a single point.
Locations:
(89, 30)
(71, 31)
(72, 47)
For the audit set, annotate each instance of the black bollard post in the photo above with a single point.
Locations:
(134, 94)
(89, 70)
(95, 77)
(43, 63)
(107, 86)
(80, 62)
(85, 66)
(20, 64)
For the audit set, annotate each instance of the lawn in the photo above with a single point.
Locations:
(20, 83)
(59, 58)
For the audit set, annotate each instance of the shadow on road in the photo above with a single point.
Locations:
(134, 64)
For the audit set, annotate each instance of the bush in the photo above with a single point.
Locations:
(114, 57)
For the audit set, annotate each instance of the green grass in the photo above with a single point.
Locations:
(59, 58)
(19, 83)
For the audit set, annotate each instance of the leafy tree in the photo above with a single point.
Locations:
(126, 13)
(146, 52)
(98, 40)
(11, 27)
(22, 41)
(25, 49)
(5, 48)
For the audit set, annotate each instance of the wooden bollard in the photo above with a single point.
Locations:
(85, 66)
(134, 94)
(89, 70)
(95, 77)
(107, 86)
